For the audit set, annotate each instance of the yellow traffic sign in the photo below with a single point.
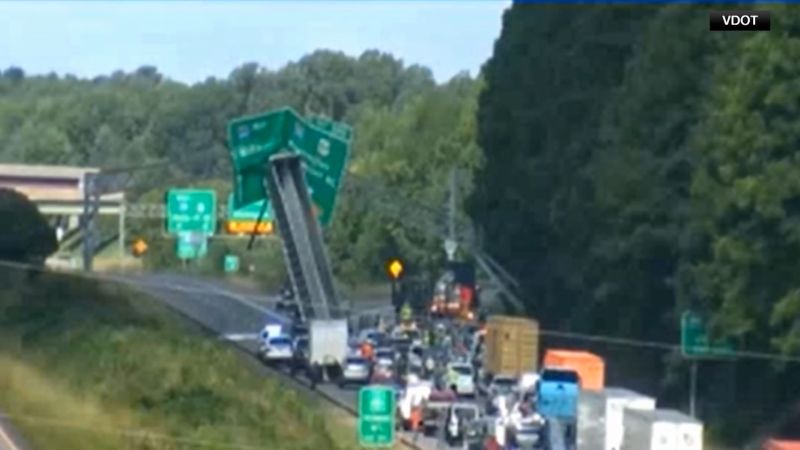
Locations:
(395, 268)
(139, 247)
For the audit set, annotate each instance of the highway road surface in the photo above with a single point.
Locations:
(9, 437)
(227, 311)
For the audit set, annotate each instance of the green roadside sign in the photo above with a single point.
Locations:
(231, 264)
(249, 212)
(376, 415)
(695, 342)
(325, 158)
(191, 210)
(191, 245)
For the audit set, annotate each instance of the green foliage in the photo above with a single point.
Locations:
(632, 172)
(25, 235)
(125, 374)
(133, 118)
(409, 150)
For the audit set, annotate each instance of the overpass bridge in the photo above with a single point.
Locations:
(58, 191)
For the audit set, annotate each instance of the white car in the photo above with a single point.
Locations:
(384, 356)
(356, 370)
(461, 378)
(502, 385)
(270, 330)
(277, 349)
(527, 382)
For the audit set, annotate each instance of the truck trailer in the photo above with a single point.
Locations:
(661, 429)
(600, 416)
(511, 346)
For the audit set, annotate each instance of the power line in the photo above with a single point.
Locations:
(616, 340)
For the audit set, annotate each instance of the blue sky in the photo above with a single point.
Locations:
(189, 41)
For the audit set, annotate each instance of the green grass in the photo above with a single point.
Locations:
(95, 366)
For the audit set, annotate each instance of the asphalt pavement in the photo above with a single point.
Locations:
(227, 311)
(9, 437)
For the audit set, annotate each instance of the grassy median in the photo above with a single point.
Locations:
(87, 365)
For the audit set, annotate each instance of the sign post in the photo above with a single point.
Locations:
(376, 416)
(696, 345)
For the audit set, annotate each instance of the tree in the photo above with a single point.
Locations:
(547, 85)
(25, 235)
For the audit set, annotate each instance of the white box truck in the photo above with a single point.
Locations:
(327, 349)
(661, 429)
(600, 416)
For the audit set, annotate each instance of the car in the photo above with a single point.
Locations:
(502, 385)
(461, 378)
(373, 336)
(356, 370)
(277, 349)
(527, 382)
(529, 433)
(385, 354)
(382, 372)
(414, 336)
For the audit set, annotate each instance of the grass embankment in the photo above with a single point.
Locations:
(86, 365)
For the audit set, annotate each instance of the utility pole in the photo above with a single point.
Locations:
(91, 204)
(450, 244)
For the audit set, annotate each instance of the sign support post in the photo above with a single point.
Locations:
(696, 344)
(693, 388)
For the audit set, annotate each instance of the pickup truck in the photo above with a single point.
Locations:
(557, 394)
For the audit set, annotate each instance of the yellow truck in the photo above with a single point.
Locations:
(511, 345)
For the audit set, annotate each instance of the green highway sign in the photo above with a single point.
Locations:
(231, 264)
(248, 186)
(340, 130)
(191, 245)
(695, 342)
(376, 415)
(249, 212)
(191, 210)
(254, 139)
(323, 144)
(325, 158)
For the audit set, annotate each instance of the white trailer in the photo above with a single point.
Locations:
(327, 348)
(661, 429)
(600, 416)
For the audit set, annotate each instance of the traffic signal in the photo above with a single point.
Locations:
(395, 268)
(139, 247)
(247, 227)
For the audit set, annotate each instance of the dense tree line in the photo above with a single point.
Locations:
(621, 170)
(632, 172)
(410, 131)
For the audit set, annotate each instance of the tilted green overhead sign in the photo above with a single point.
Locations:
(253, 140)
(249, 212)
(339, 129)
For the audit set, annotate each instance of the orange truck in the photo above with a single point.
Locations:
(591, 369)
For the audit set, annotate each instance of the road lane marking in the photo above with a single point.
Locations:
(4, 437)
